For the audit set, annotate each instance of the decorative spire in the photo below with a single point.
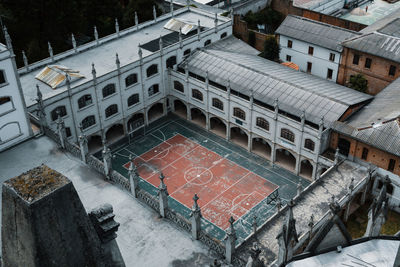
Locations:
(195, 205)
(160, 44)
(38, 93)
(67, 81)
(231, 228)
(140, 53)
(162, 184)
(303, 117)
(198, 30)
(351, 185)
(96, 34)
(171, 8)
(25, 59)
(154, 13)
(276, 103)
(116, 26)
(50, 51)
(8, 40)
(93, 71)
(216, 23)
(136, 19)
(73, 41)
(117, 62)
(180, 37)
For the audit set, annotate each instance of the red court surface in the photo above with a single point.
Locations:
(225, 189)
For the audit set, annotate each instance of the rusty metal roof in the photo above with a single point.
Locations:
(55, 75)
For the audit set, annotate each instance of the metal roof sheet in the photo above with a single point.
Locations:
(315, 32)
(55, 75)
(176, 25)
(276, 81)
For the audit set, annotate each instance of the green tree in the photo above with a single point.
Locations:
(359, 83)
(143, 8)
(271, 48)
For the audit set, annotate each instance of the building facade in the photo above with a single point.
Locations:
(313, 46)
(14, 122)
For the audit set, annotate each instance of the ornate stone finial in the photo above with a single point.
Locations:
(67, 82)
(299, 188)
(73, 41)
(180, 38)
(216, 23)
(276, 103)
(8, 40)
(311, 222)
(154, 13)
(303, 117)
(198, 30)
(171, 7)
(334, 205)
(160, 44)
(50, 51)
(140, 53)
(93, 71)
(336, 161)
(25, 59)
(321, 122)
(117, 26)
(38, 93)
(228, 86)
(231, 221)
(254, 251)
(81, 128)
(254, 225)
(279, 204)
(162, 184)
(117, 62)
(195, 199)
(96, 34)
(351, 185)
(136, 19)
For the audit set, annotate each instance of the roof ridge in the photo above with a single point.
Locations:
(357, 37)
(276, 78)
(323, 23)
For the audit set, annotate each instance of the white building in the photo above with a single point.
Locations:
(14, 123)
(272, 110)
(312, 45)
(277, 112)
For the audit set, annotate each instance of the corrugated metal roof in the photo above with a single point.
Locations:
(233, 44)
(296, 91)
(55, 75)
(315, 32)
(177, 24)
(392, 28)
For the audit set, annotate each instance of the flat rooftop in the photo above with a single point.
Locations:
(103, 55)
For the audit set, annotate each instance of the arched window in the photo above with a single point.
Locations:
(309, 144)
(9, 131)
(178, 86)
(85, 101)
(131, 79)
(262, 123)
(171, 61)
(152, 70)
(197, 94)
(133, 99)
(207, 42)
(186, 52)
(88, 121)
(111, 110)
(2, 77)
(60, 109)
(287, 134)
(217, 103)
(237, 112)
(6, 104)
(224, 35)
(109, 89)
(153, 89)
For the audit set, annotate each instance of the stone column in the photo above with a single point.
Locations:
(163, 196)
(133, 177)
(298, 164)
(83, 144)
(195, 217)
(62, 135)
(230, 241)
(250, 142)
(107, 160)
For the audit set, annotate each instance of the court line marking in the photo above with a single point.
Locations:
(234, 152)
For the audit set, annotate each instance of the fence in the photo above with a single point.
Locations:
(144, 196)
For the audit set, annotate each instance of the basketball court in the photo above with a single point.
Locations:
(229, 180)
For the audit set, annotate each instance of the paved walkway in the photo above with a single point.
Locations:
(315, 202)
(143, 238)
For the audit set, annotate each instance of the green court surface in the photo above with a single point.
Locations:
(169, 126)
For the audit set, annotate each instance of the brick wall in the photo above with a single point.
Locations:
(241, 31)
(377, 76)
(375, 156)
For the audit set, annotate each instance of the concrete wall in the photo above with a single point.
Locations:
(251, 5)
(242, 32)
(320, 58)
(14, 125)
(377, 76)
